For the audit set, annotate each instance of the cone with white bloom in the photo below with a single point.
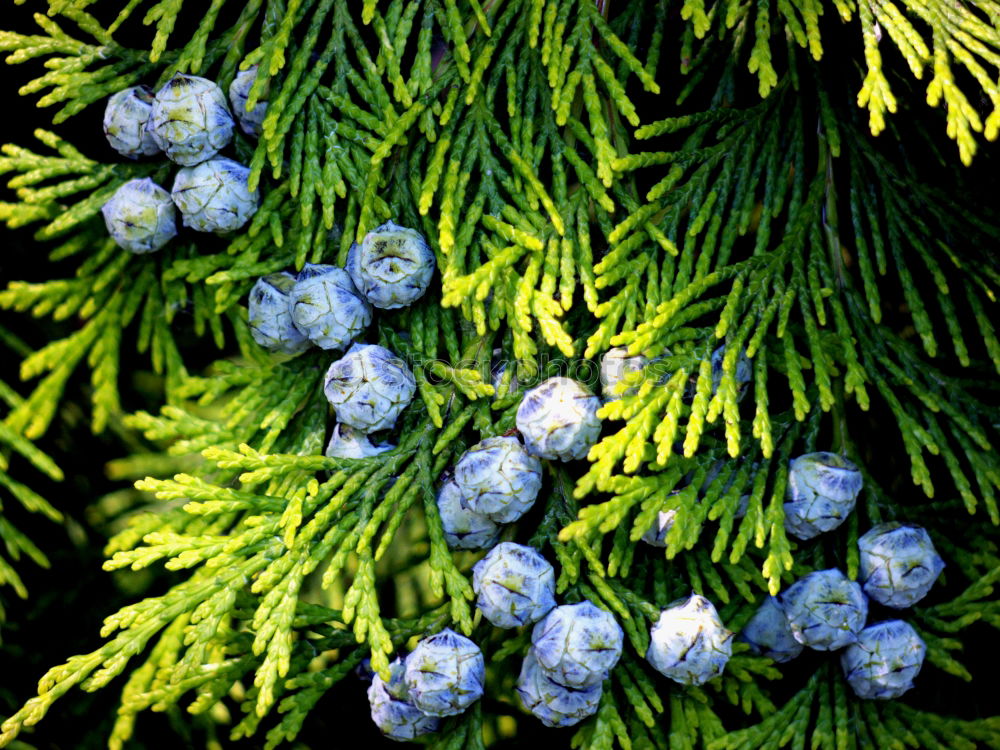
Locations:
(884, 661)
(615, 365)
(558, 419)
(239, 90)
(689, 643)
(369, 387)
(499, 479)
(270, 315)
(825, 610)
(553, 704)
(577, 644)
(898, 564)
(395, 716)
(140, 216)
(190, 120)
(392, 267)
(769, 633)
(444, 674)
(463, 527)
(346, 442)
(515, 585)
(822, 490)
(125, 118)
(327, 308)
(214, 196)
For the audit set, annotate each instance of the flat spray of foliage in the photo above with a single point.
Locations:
(665, 176)
(16, 545)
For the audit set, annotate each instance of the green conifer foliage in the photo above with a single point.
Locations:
(14, 447)
(670, 177)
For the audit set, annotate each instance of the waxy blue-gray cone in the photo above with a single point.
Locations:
(444, 674)
(884, 661)
(656, 535)
(577, 644)
(553, 704)
(239, 90)
(515, 585)
(270, 315)
(140, 216)
(898, 564)
(825, 610)
(369, 387)
(499, 479)
(190, 120)
(769, 633)
(615, 365)
(214, 196)
(125, 118)
(327, 308)
(743, 373)
(395, 716)
(689, 643)
(558, 419)
(346, 442)
(463, 527)
(392, 267)
(822, 490)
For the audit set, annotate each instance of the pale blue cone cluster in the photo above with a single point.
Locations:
(825, 610)
(574, 647)
(884, 661)
(898, 564)
(689, 644)
(463, 527)
(497, 478)
(822, 490)
(444, 674)
(769, 634)
(573, 650)
(189, 121)
(392, 267)
(369, 387)
(500, 478)
(514, 584)
(392, 711)
(558, 419)
(494, 482)
(324, 307)
(140, 216)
